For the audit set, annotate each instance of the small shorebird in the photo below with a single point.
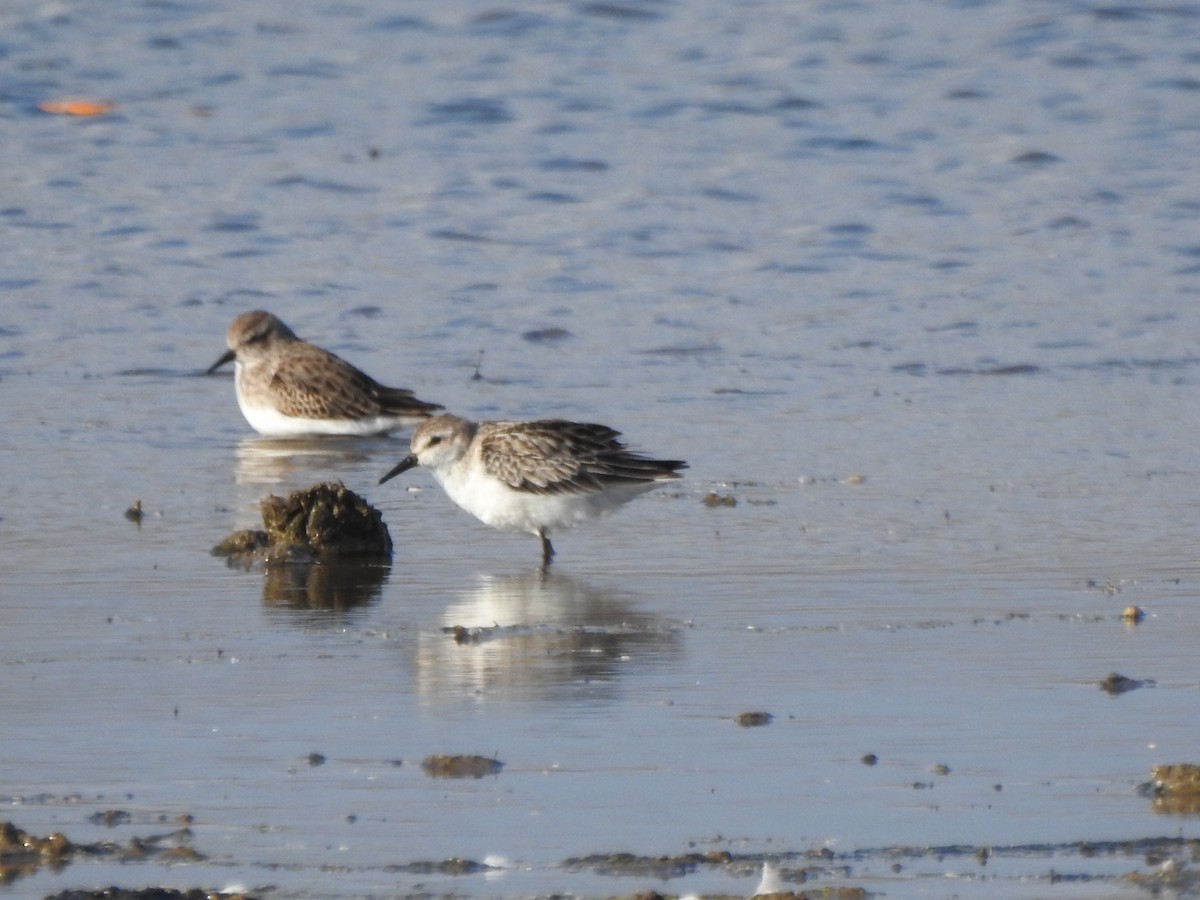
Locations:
(533, 476)
(287, 387)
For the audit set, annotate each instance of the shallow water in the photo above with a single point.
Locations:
(915, 284)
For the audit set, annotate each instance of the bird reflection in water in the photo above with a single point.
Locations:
(274, 461)
(540, 635)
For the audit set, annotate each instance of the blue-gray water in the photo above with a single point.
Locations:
(915, 283)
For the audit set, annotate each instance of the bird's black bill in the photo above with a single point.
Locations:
(227, 356)
(403, 466)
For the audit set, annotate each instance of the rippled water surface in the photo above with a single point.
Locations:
(914, 285)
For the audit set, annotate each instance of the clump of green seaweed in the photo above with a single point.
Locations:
(323, 523)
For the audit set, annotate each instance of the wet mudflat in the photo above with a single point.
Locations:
(911, 288)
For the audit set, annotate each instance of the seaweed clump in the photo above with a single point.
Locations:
(323, 523)
(446, 766)
(1175, 788)
(151, 893)
(23, 854)
(753, 719)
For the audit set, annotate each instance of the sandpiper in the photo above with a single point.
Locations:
(536, 477)
(287, 387)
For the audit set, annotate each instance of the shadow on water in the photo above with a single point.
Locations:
(538, 635)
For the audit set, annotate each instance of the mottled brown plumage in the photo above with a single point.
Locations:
(533, 476)
(287, 386)
(556, 456)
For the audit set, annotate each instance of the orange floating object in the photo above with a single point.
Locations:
(77, 107)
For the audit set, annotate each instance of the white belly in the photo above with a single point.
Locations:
(496, 504)
(269, 421)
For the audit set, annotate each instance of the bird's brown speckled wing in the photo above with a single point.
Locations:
(555, 456)
(315, 384)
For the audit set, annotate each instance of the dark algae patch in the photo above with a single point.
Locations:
(152, 893)
(321, 523)
(453, 866)
(1115, 683)
(446, 766)
(753, 719)
(627, 864)
(1156, 864)
(825, 872)
(821, 893)
(23, 854)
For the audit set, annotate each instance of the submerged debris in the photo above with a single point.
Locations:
(17, 845)
(443, 766)
(1171, 875)
(547, 335)
(632, 864)
(453, 866)
(134, 513)
(464, 635)
(821, 893)
(713, 499)
(753, 719)
(318, 524)
(22, 853)
(1115, 683)
(828, 870)
(110, 818)
(152, 893)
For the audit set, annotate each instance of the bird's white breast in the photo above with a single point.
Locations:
(495, 503)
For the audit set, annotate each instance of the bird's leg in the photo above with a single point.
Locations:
(547, 549)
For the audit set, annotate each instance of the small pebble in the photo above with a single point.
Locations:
(1133, 615)
(753, 719)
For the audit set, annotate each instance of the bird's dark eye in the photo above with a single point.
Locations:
(435, 440)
